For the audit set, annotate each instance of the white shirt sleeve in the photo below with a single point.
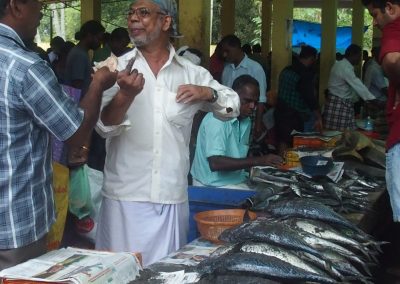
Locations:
(351, 78)
(112, 130)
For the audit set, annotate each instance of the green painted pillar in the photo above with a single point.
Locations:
(195, 26)
(90, 10)
(282, 19)
(376, 37)
(358, 29)
(227, 17)
(266, 25)
(328, 44)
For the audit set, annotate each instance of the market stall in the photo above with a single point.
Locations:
(348, 202)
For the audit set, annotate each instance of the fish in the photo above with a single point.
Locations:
(344, 266)
(280, 253)
(323, 231)
(259, 265)
(275, 233)
(222, 250)
(309, 209)
(234, 279)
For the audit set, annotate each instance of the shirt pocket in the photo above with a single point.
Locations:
(179, 114)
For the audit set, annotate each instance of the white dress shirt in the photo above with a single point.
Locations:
(343, 82)
(148, 154)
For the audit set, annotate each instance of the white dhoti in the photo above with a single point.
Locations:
(152, 229)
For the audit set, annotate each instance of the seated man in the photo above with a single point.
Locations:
(222, 146)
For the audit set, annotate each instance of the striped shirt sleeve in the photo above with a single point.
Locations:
(48, 104)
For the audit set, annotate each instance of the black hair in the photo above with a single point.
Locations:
(247, 48)
(352, 50)
(57, 41)
(92, 27)
(379, 3)
(257, 48)
(244, 80)
(119, 34)
(308, 51)
(232, 41)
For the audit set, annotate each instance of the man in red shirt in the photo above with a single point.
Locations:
(386, 16)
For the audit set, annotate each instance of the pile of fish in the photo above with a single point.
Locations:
(349, 195)
(303, 241)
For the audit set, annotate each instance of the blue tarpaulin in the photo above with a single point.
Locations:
(310, 34)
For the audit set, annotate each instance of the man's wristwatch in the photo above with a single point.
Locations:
(214, 96)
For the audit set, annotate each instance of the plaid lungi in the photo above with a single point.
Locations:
(339, 114)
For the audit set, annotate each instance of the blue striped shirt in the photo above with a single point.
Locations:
(32, 106)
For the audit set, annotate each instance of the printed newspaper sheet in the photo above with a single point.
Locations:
(73, 265)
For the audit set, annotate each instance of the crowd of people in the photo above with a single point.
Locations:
(143, 112)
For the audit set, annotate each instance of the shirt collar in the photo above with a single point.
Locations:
(9, 32)
(172, 55)
(244, 63)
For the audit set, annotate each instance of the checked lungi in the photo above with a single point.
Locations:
(339, 114)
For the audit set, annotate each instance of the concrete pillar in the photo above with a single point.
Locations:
(195, 25)
(282, 19)
(328, 44)
(266, 25)
(227, 17)
(376, 37)
(358, 29)
(90, 10)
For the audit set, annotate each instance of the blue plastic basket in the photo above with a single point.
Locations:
(316, 165)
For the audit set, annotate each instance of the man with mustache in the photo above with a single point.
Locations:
(145, 201)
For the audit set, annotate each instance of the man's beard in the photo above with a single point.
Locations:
(146, 39)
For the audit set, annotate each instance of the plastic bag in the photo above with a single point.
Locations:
(80, 200)
(87, 226)
(60, 188)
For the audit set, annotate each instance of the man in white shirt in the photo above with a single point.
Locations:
(238, 63)
(374, 78)
(145, 202)
(342, 84)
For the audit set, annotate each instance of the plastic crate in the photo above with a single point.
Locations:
(212, 198)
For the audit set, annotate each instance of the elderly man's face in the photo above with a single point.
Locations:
(146, 22)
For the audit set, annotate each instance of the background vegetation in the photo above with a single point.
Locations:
(64, 19)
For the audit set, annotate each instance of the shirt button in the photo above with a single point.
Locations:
(155, 172)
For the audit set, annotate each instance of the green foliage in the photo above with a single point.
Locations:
(248, 20)
(113, 13)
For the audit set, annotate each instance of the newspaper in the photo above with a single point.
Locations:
(73, 265)
(177, 277)
(191, 254)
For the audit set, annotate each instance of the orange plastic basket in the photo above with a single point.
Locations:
(212, 223)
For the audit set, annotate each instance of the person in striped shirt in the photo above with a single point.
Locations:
(33, 106)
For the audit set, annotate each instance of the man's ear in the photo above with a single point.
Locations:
(390, 9)
(14, 8)
(167, 23)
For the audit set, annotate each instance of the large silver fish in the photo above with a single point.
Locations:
(305, 208)
(281, 253)
(259, 265)
(275, 233)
